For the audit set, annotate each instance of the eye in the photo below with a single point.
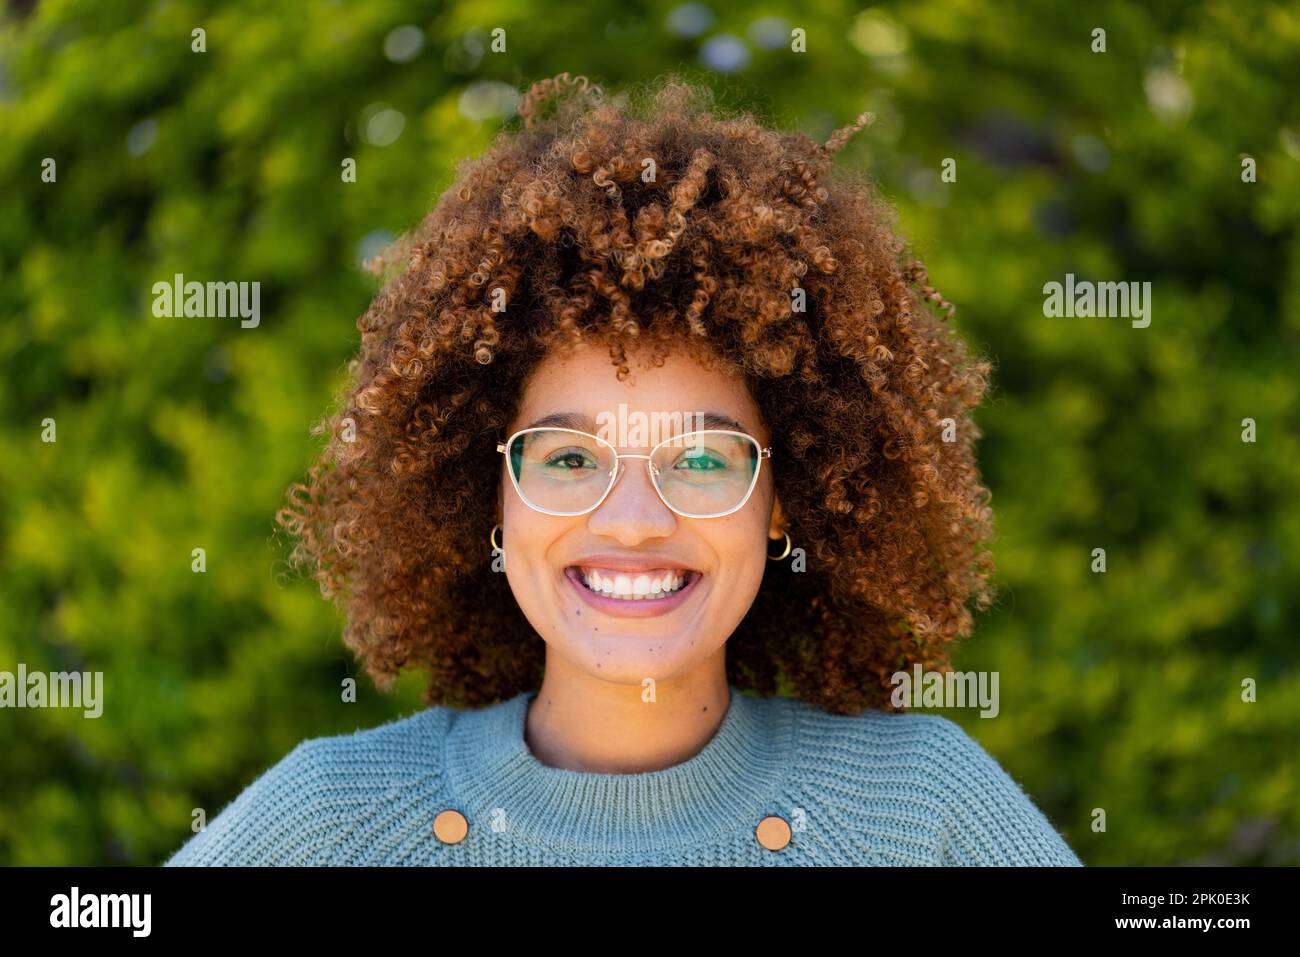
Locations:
(700, 461)
(570, 460)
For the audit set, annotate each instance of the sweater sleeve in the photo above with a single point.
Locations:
(989, 819)
(268, 823)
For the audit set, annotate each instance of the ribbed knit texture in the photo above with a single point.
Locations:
(870, 789)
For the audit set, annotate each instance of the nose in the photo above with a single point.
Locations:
(632, 511)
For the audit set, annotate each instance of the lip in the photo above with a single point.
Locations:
(622, 608)
(630, 563)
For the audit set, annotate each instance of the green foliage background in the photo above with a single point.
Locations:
(1120, 691)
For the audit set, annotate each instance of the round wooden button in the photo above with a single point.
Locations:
(450, 827)
(773, 832)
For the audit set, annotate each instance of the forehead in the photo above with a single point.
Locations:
(585, 383)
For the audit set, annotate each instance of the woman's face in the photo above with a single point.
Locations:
(632, 533)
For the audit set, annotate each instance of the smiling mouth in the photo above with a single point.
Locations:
(648, 587)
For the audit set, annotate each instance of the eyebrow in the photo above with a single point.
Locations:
(585, 423)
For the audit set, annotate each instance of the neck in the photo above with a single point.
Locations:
(720, 791)
(581, 723)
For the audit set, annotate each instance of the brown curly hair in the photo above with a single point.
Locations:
(393, 519)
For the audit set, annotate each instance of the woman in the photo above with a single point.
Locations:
(635, 346)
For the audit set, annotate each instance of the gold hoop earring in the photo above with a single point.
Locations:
(492, 538)
(788, 545)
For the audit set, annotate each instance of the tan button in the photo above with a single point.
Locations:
(773, 832)
(450, 827)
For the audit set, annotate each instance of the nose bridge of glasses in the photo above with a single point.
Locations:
(620, 468)
(612, 491)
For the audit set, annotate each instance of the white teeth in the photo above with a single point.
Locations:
(633, 587)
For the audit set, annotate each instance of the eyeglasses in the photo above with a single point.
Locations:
(703, 474)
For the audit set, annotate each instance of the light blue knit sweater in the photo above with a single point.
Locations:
(870, 789)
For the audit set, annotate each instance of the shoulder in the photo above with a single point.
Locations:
(922, 779)
(316, 803)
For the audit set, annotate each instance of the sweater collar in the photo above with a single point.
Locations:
(729, 785)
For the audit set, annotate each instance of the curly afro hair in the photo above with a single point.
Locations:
(653, 220)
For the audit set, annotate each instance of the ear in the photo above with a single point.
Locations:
(776, 529)
(502, 487)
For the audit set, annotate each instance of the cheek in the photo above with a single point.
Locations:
(528, 543)
(741, 560)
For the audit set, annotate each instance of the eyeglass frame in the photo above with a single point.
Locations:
(618, 471)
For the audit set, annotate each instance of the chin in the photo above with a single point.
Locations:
(626, 657)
